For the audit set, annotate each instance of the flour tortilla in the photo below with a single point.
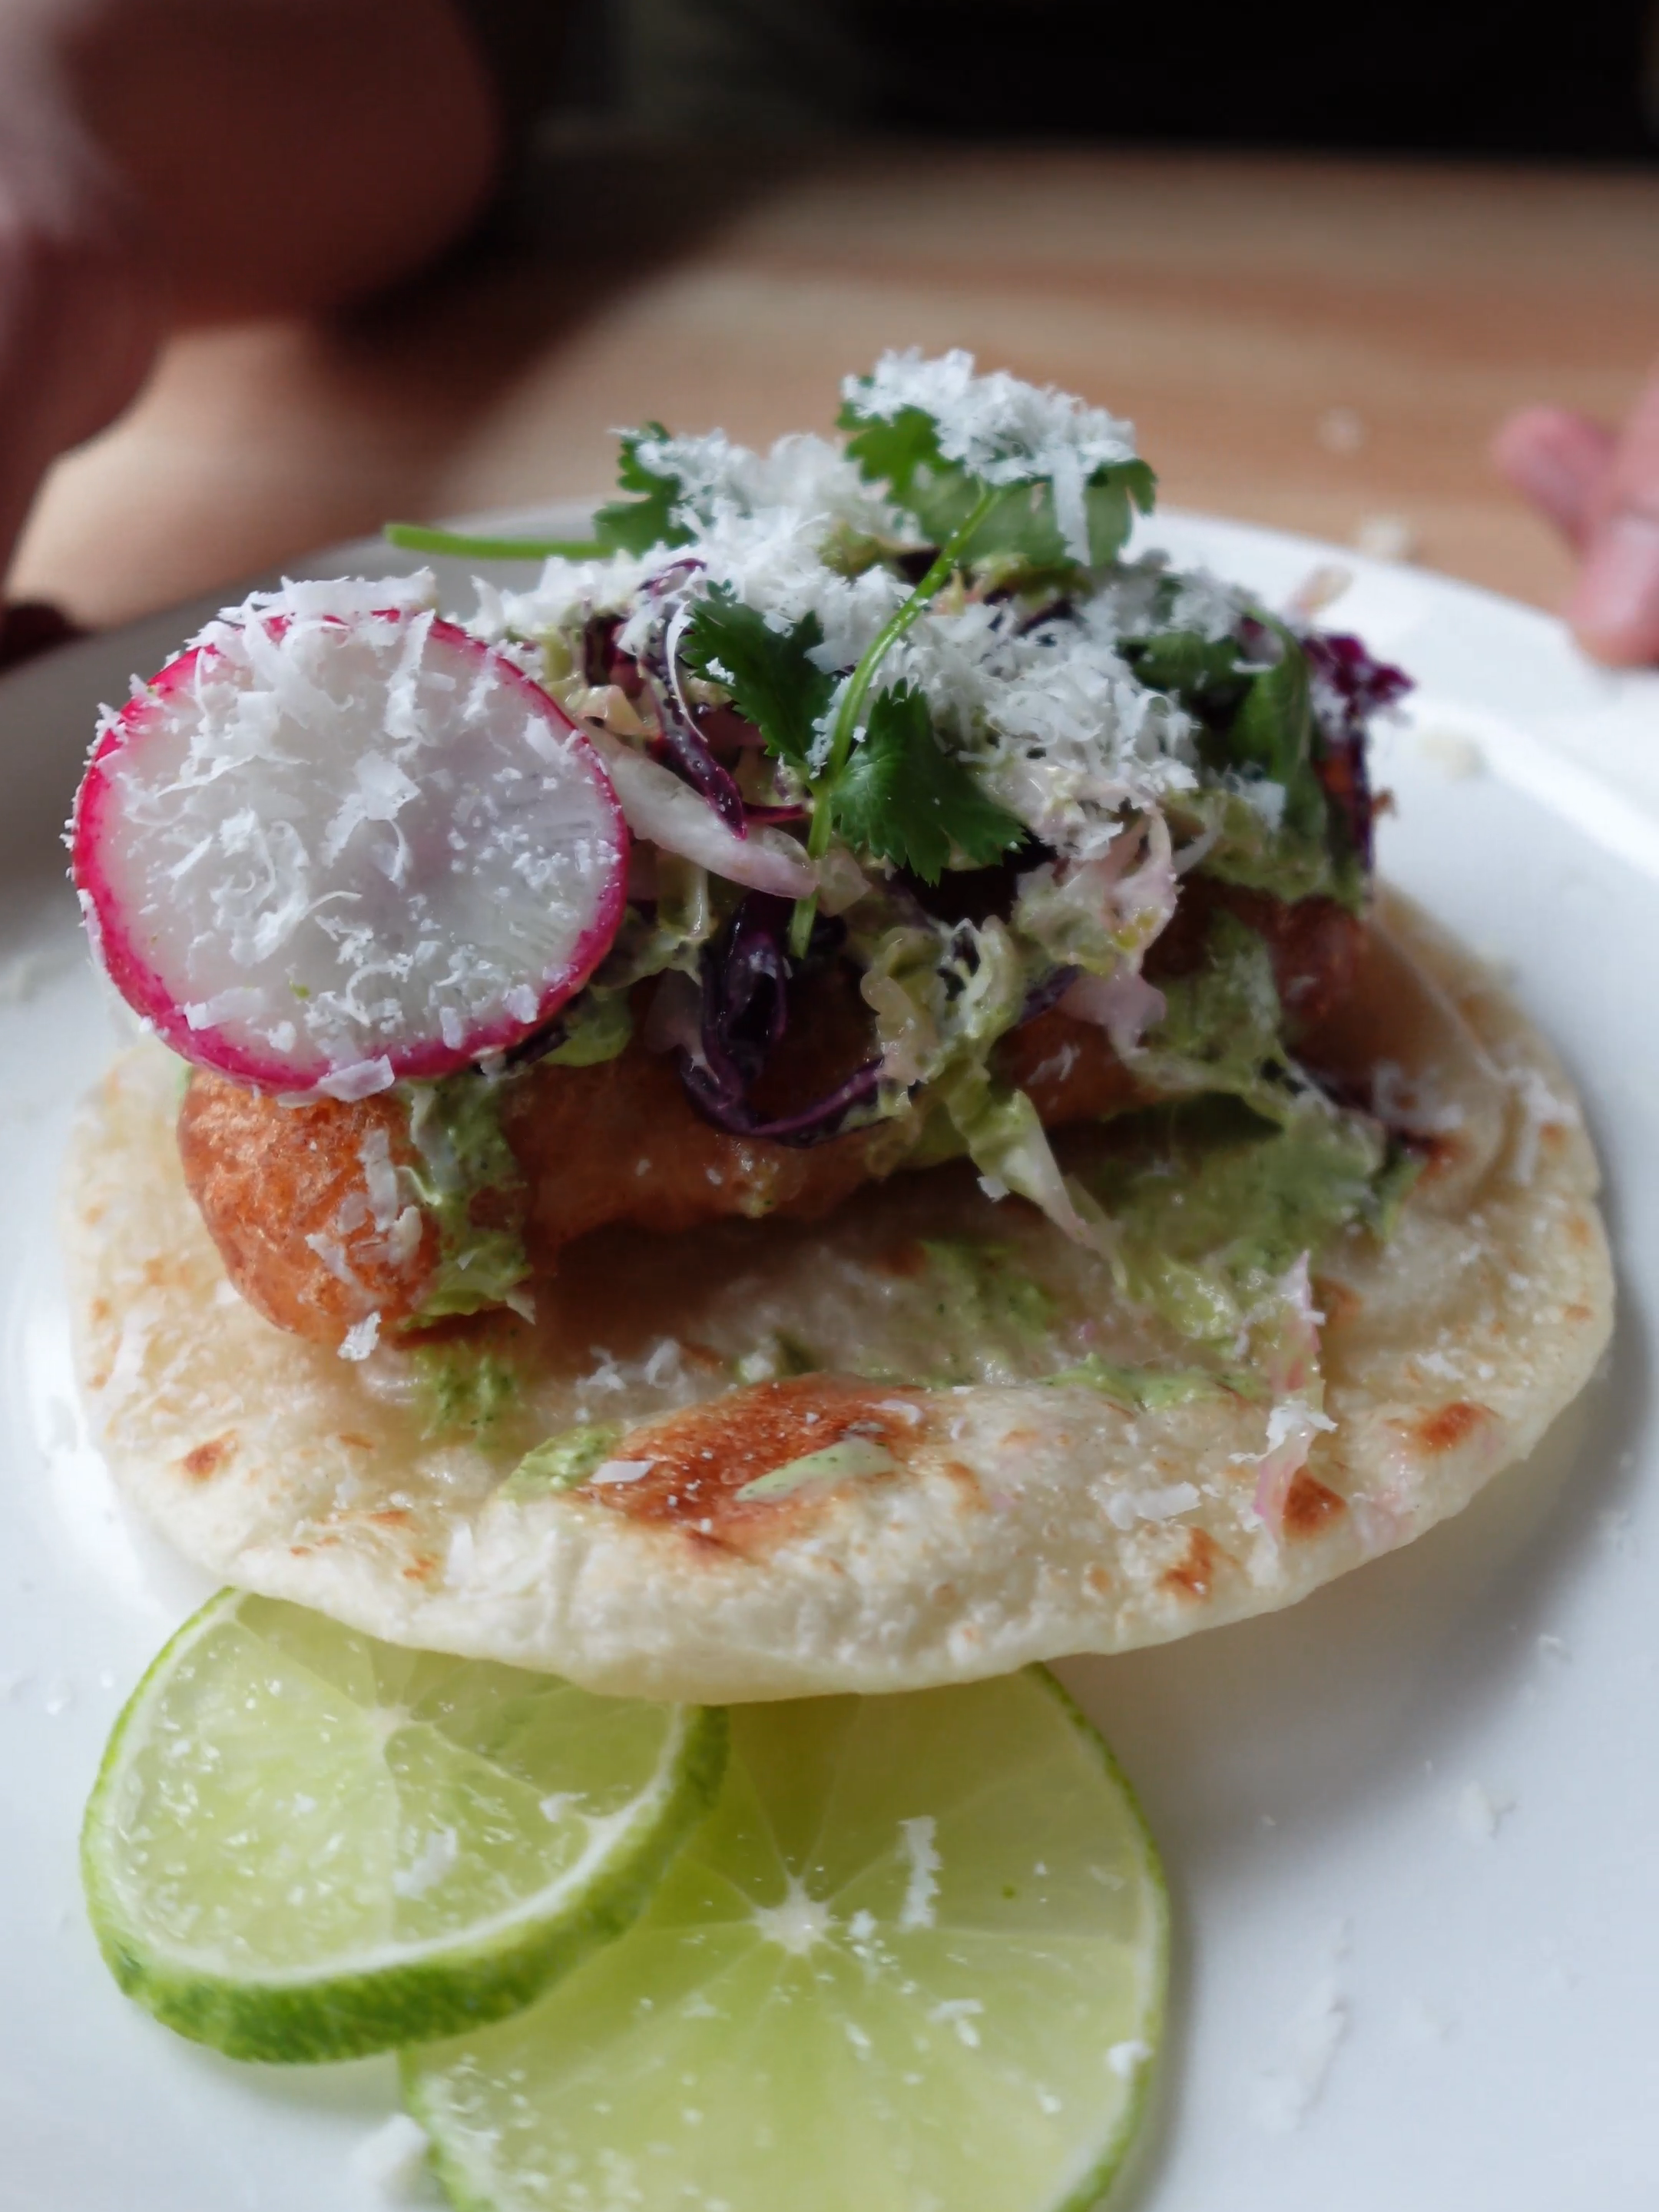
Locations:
(1004, 1522)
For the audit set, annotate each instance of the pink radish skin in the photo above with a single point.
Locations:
(519, 841)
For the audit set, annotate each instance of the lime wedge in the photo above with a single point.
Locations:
(914, 1961)
(304, 1844)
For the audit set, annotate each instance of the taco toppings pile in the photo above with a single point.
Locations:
(951, 927)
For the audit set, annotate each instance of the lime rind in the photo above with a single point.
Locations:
(392, 1994)
(1108, 2163)
(441, 2088)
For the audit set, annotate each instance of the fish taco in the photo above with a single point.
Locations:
(822, 1100)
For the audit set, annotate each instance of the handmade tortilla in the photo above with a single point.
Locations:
(959, 1532)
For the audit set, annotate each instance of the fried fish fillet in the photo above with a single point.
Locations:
(300, 1200)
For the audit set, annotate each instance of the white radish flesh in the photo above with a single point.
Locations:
(339, 842)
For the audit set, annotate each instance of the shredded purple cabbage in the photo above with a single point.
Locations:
(746, 972)
(684, 749)
(683, 741)
(1349, 686)
(1043, 998)
(684, 745)
(1362, 685)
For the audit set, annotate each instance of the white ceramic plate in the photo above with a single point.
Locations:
(1411, 1827)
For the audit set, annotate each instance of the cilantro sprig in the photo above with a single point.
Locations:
(920, 848)
(878, 773)
(1057, 499)
(635, 525)
(999, 469)
(895, 793)
(621, 526)
(883, 780)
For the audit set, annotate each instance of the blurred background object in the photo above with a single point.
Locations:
(1185, 216)
(1457, 76)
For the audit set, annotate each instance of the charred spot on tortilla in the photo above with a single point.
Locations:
(759, 1459)
(203, 1460)
(1194, 1577)
(1449, 1427)
(1308, 1505)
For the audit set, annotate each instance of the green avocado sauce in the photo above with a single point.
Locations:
(465, 1390)
(1222, 1029)
(595, 1026)
(982, 1289)
(561, 1462)
(1152, 1390)
(1215, 1204)
(455, 1128)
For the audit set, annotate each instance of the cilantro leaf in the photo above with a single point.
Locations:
(624, 526)
(1203, 673)
(903, 453)
(905, 800)
(1111, 499)
(1272, 729)
(635, 525)
(773, 681)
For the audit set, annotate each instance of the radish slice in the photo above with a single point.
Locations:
(339, 842)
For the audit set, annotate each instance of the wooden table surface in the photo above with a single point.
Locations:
(1326, 346)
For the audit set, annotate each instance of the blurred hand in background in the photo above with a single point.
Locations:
(1600, 487)
(81, 307)
(170, 161)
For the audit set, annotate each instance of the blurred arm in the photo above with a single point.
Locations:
(179, 160)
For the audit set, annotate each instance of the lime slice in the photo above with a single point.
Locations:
(914, 1961)
(304, 1844)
